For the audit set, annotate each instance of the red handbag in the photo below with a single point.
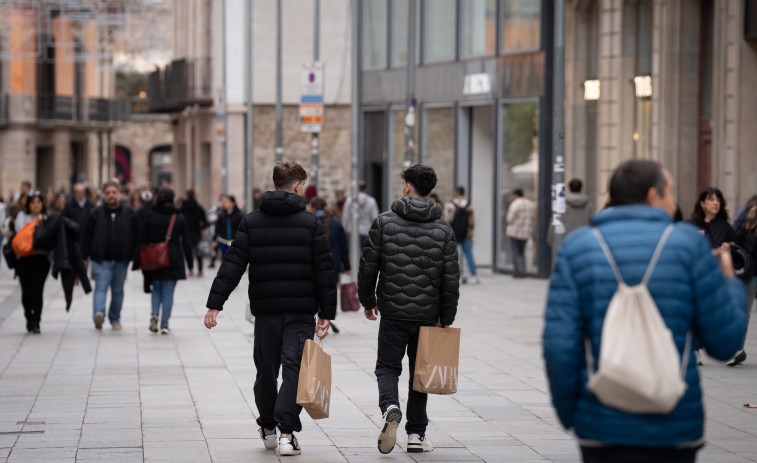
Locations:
(154, 256)
(348, 296)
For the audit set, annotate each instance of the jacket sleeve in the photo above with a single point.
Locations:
(450, 282)
(563, 340)
(719, 317)
(345, 250)
(233, 266)
(370, 264)
(186, 240)
(88, 234)
(323, 268)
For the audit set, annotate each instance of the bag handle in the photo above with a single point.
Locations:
(652, 262)
(170, 227)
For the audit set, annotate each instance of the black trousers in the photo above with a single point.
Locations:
(279, 342)
(625, 454)
(396, 336)
(32, 272)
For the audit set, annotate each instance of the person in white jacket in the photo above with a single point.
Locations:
(368, 211)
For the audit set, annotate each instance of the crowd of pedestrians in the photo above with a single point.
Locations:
(294, 247)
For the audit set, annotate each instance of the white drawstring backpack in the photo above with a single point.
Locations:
(640, 370)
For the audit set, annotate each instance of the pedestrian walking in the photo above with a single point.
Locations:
(412, 253)
(520, 227)
(746, 237)
(337, 241)
(577, 207)
(227, 223)
(291, 273)
(32, 270)
(368, 210)
(110, 240)
(635, 242)
(196, 222)
(711, 217)
(3, 210)
(165, 222)
(459, 213)
(79, 206)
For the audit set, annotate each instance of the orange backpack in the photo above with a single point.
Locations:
(23, 242)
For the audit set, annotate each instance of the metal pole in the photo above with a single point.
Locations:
(224, 143)
(316, 50)
(250, 199)
(558, 121)
(355, 107)
(410, 84)
(279, 147)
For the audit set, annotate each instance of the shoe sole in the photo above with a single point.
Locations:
(99, 318)
(290, 453)
(740, 358)
(388, 435)
(414, 448)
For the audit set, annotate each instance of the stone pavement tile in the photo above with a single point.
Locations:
(107, 435)
(234, 450)
(319, 454)
(4, 452)
(372, 455)
(712, 453)
(508, 453)
(47, 454)
(172, 434)
(56, 438)
(118, 455)
(186, 451)
(7, 441)
(219, 428)
(446, 454)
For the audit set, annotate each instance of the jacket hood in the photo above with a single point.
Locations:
(281, 203)
(165, 208)
(577, 200)
(417, 209)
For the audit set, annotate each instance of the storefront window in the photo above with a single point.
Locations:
(642, 135)
(478, 34)
(400, 15)
(398, 151)
(519, 169)
(375, 34)
(521, 25)
(440, 149)
(439, 30)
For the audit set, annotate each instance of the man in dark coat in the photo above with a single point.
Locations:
(111, 240)
(197, 222)
(291, 274)
(412, 252)
(78, 207)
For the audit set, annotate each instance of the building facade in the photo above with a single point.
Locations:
(669, 81)
(191, 90)
(57, 105)
(483, 93)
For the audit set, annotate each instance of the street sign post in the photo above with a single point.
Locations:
(311, 99)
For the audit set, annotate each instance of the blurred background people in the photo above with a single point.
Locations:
(196, 222)
(32, 270)
(227, 223)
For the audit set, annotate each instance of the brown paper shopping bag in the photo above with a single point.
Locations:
(437, 360)
(314, 386)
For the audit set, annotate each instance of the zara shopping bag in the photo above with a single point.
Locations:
(436, 360)
(314, 386)
(640, 370)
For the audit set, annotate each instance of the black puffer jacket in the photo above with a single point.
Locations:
(413, 253)
(111, 234)
(154, 230)
(291, 268)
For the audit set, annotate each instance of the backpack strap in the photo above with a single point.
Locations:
(656, 255)
(608, 254)
(170, 227)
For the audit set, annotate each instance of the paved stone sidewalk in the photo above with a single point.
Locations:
(77, 394)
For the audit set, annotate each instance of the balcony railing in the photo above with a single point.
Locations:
(182, 83)
(55, 108)
(103, 110)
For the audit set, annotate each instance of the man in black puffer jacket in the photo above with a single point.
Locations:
(413, 253)
(291, 275)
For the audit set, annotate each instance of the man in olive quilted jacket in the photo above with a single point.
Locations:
(412, 252)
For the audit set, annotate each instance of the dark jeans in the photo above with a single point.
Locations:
(198, 256)
(624, 454)
(518, 249)
(32, 272)
(279, 342)
(393, 338)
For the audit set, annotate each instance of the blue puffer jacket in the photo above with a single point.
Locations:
(690, 292)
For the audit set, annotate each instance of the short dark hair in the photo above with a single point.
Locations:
(518, 192)
(698, 214)
(460, 190)
(575, 185)
(362, 185)
(287, 173)
(111, 183)
(422, 178)
(32, 195)
(190, 194)
(632, 180)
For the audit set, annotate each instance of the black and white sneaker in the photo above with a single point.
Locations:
(418, 444)
(269, 440)
(738, 360)
(289, 446)
(388, 435)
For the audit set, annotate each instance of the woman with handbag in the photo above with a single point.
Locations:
(227, 223)
(746, 237)
(32, 269)
(165, 224)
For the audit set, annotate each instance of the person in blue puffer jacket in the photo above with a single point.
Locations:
(694, 288)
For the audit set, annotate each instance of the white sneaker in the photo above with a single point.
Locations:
(473, 280)
(289, 447)
(388, 434)
(418, 444)
(269, 440)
